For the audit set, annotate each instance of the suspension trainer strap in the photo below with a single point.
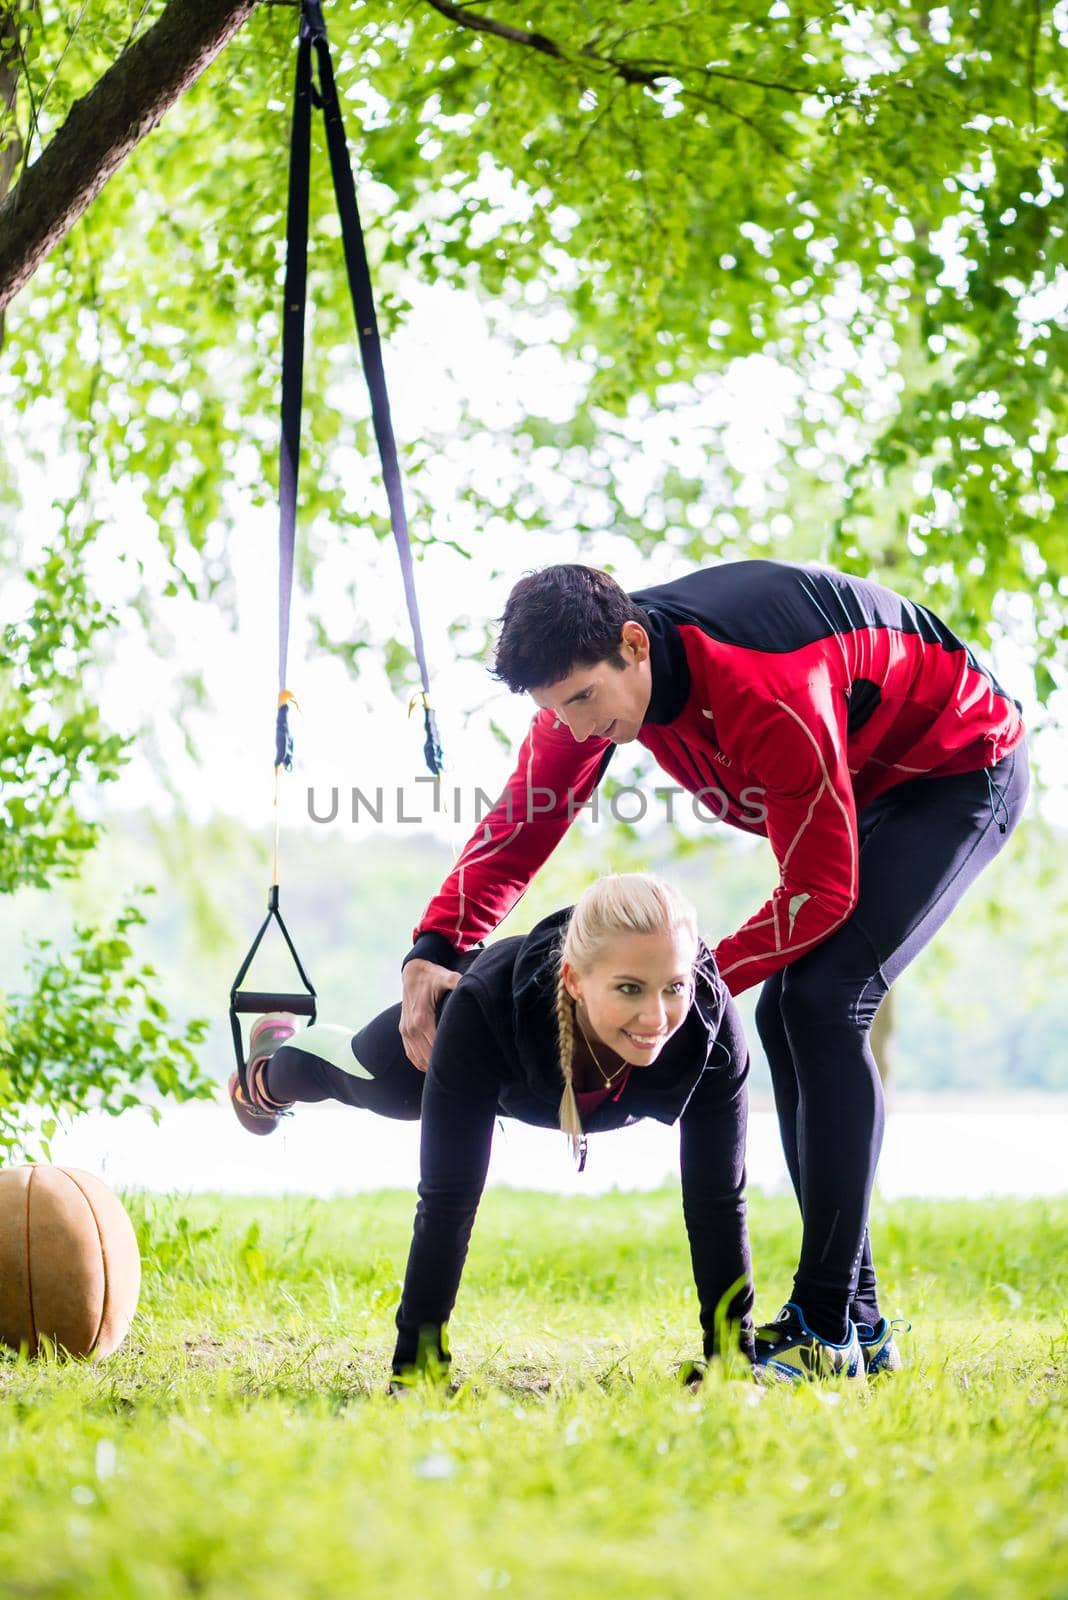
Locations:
(296, 295)
(324, 94)
(303, 1002)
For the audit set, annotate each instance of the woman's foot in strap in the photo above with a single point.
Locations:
(255, 1110)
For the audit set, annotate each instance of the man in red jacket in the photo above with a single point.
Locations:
(884, 764)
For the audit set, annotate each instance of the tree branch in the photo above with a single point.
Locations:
(35, 127)
(501, 30)
(732, 111)
(11, 145)
(677, 69)
(10, 137)
(102, 129)
(636, 71)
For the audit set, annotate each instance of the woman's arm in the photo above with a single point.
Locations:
(712, 1154)
(459, 1107)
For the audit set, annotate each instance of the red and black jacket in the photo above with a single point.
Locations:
(788, 698)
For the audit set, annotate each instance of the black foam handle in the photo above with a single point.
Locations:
(302, 1005)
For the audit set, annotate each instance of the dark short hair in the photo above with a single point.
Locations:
(559, 619)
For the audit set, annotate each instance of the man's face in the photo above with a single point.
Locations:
(604, 700)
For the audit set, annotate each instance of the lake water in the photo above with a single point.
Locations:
(935, 1146)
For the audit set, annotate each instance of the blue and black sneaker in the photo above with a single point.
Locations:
(787, 1351)
(878, 1346)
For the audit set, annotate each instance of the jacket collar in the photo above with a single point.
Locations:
(670, 669)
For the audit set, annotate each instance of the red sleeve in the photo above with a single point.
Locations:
(797, 753)
(554, 776)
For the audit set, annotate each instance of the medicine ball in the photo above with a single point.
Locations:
(70, 1270)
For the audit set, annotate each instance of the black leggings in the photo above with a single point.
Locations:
(378, 1078)
(390, 1088)
(921, 845)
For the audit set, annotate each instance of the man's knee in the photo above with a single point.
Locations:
(840, 983)
(817, 998)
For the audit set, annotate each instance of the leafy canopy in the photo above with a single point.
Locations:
(871, 197)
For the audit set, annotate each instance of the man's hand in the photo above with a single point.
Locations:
(424, 983)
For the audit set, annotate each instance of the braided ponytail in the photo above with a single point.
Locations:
(570, 1121)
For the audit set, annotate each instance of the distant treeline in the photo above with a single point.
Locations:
(981, 1009)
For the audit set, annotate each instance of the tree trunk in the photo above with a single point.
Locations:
(105, 126)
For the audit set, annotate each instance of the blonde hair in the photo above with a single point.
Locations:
(622, 902)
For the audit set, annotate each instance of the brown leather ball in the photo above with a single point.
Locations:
(70, 1270)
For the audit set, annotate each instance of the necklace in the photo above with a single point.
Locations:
(608, 1077)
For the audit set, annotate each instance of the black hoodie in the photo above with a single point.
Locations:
(514, 985)
(496, 1051)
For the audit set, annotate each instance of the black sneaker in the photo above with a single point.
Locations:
(878, 1346)
(787, 1351)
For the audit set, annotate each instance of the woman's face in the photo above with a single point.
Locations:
(637, 994)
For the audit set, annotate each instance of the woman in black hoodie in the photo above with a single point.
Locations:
(602, 1014)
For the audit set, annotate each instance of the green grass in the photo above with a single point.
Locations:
(241, 1443)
